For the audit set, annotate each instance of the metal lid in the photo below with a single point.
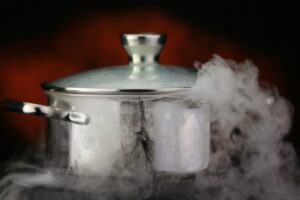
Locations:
(143, 75)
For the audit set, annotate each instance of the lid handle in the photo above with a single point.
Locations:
(143, 48)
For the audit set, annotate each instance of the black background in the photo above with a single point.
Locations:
(269, 28)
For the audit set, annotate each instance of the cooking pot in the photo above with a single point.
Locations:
(102, 120)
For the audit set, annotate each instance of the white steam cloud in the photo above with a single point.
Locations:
(249, 160)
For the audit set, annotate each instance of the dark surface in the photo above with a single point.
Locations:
(119, 189)
(269, 28)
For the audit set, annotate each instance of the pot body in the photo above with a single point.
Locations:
(86, 149)
(125, 119)
(164, 134)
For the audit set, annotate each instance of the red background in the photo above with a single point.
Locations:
(90, 39)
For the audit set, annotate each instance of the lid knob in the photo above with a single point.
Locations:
(143, 48)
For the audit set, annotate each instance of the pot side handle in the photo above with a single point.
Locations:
(45, 111)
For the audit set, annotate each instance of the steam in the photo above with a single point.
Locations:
(249, 160)
(180, 137)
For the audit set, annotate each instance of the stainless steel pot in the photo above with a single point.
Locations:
(99, 119)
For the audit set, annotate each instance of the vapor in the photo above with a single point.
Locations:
(249, 158)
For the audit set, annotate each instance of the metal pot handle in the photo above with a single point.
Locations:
(45, 111)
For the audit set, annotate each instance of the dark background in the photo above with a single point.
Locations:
(263, 31)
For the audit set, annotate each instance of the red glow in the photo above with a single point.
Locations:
(94, 41)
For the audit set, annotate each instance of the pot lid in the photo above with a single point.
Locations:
(143, 74)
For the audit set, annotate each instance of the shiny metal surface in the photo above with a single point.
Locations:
(126, 105)
(95, 91)
(45, 111)
(143, 48)
(133, 39)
